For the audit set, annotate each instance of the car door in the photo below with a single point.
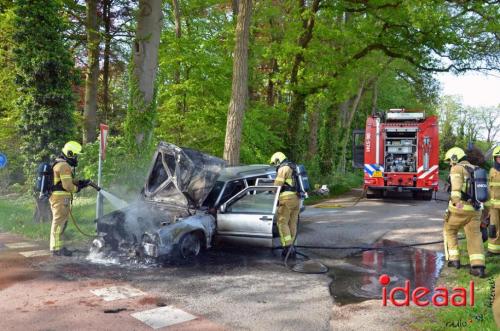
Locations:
(247, 218)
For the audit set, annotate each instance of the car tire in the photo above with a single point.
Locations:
(190, 245)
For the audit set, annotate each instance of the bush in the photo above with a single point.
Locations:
(121, 173)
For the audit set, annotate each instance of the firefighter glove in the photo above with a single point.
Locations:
(83, 183)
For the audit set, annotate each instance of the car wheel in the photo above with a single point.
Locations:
(190, 245)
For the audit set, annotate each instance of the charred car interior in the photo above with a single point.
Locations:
(189, 201)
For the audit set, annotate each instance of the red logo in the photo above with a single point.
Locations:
(440, 296)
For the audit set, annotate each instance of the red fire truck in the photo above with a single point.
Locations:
(399, 151)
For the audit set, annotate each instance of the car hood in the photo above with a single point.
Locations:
(181, 176)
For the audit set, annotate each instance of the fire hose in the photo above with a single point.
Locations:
(319, 268)
(97, 188)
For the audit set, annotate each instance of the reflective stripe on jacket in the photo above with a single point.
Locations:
(458, 178)
(63, 174)
(494, 188)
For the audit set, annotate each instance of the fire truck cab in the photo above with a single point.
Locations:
(399, 151)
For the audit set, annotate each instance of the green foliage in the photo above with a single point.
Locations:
(122, 173)
(44, 75)
(260, 137)
(390, 48)
(9, 114)
(466, 127)
(195, 77)
(337, 184)
(16, 217)
(477, 318)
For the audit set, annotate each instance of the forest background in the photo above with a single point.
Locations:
(237, 79)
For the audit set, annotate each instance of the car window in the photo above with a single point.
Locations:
(213, 195)
(252, 181)
(232, 188)
(259, 201)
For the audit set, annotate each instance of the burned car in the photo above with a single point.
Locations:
(189, 200)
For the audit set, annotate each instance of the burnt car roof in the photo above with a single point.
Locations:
(230, 173)
(181, 176)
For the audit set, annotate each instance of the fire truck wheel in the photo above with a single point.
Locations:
(423, 195)
(373, 194)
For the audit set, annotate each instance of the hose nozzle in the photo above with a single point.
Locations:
(94, 185)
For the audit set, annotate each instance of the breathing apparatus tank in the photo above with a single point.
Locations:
(303, 180)
(480, 184)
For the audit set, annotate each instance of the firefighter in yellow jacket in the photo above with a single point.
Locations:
(462, 213)
(493, 204)
(62, 191)
(289, 202)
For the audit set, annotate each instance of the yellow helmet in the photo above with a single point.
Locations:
(277, 158)
(454, 154)
(496, 152)
(71, 149)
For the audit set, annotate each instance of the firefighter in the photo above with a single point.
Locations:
(461, 213)
(493, 204)
(62, 193)
(288, 202)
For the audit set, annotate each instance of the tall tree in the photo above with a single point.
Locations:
(92, 76)
(239, 95)
(106, 17)
(489, 118)
(44, 74)
(142, 105)
(297, 106)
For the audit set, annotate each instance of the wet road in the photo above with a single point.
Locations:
(249, 289)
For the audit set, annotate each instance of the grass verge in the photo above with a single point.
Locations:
(477, 318)
(16, 216)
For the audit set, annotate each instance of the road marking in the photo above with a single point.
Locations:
(35, 253)
(163, 316)
(117, 292)
(20, 245)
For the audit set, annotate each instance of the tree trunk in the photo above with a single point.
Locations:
(180, 103)
(297, 106)
(142, 106)
(178, 35)
(374, 97)
(239, 94)
(92, 78)
(275, 37)
(235, 5)
(107, 55)
(327, 142)
(312, 149)
(270, 82)
(347, 127)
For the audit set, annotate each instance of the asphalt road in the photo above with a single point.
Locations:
(236, 288)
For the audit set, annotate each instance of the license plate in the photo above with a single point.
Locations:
(377, 174)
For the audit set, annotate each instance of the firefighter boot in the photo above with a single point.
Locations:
(478, 271)
(62, 252)
(454, 264)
